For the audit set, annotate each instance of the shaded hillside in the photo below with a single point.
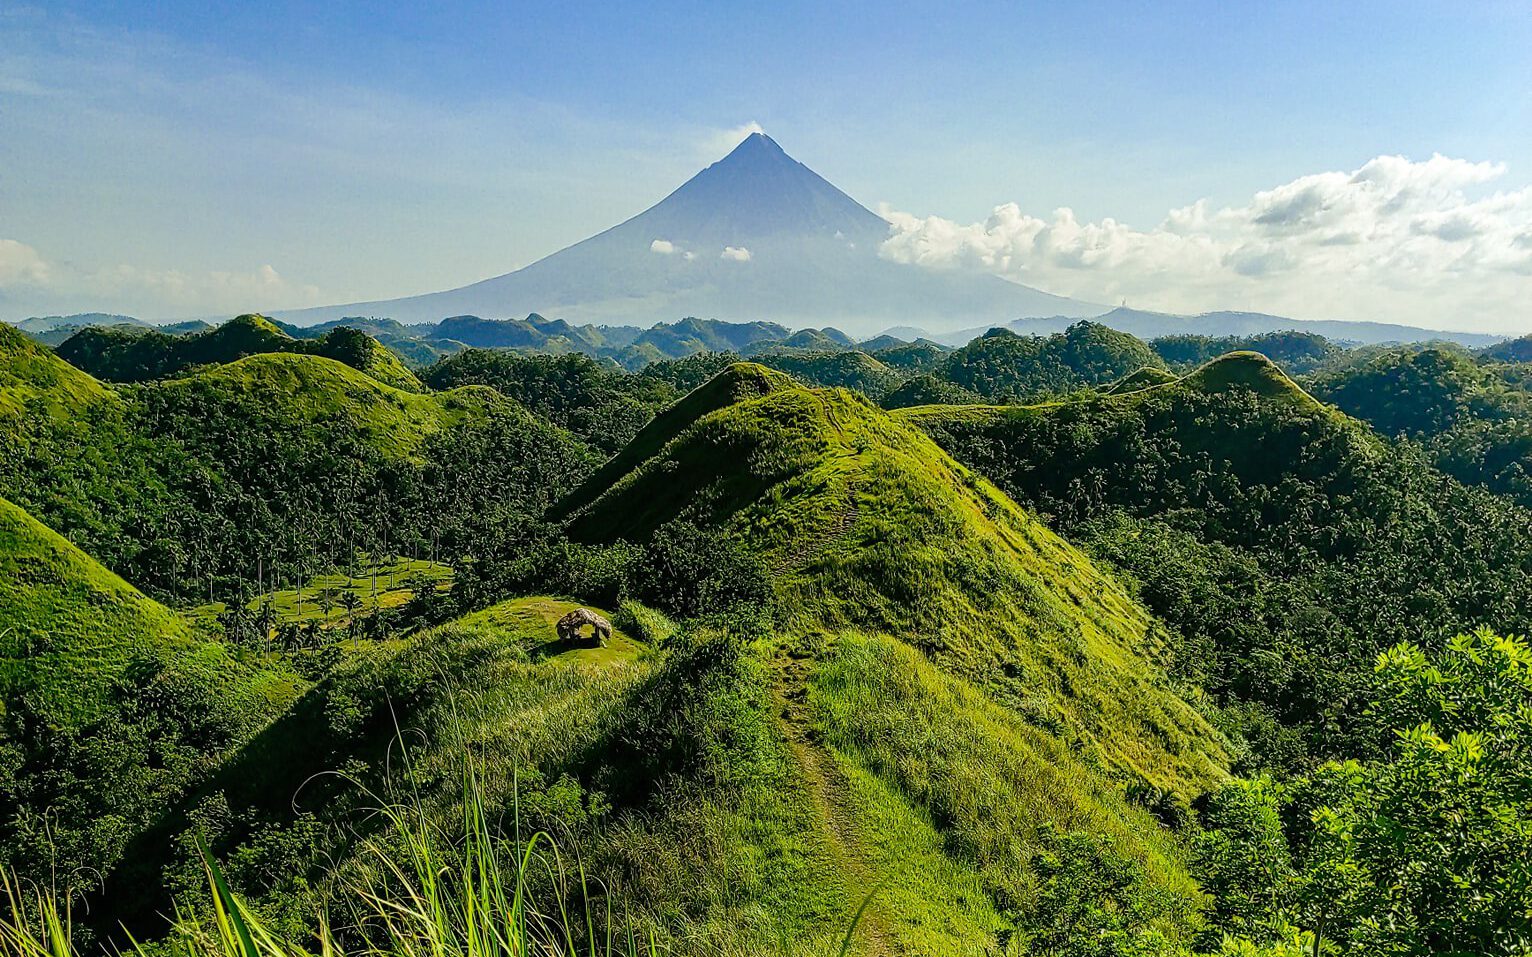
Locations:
(1474, 422)
(1511, 350)
(841, 369)
(272, 466)
(575, 391)
(1003, 366)
(112, 703)
(1286, 543)
(142, 355)
(1296, 352)
(927, 389)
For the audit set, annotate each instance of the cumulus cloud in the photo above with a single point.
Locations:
(31, 283)
(737, 254)
(20, 265)
(1425, 242)
(663, 246)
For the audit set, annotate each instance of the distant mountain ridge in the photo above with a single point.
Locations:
(1152, 325)
(755, 236)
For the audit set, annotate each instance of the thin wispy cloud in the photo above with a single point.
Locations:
(47, 286)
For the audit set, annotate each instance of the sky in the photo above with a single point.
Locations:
(1349, 161)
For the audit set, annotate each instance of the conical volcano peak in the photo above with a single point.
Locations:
(757, 234)
(758, 192)
(758, 146)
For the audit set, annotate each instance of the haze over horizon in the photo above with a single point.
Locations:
(1366, 164)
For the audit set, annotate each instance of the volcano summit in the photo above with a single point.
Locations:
(755, 236)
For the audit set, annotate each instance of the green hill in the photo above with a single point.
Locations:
(112, 703)
(1473, 420)
(301, 392)
(33, 381)
(1001, 365)
(1296, 352)
(927, 390)
(869, 525)
(1144, 378)
(1284, 542)
(1511, 350)
(140, 355)
(277, 464)
(70, 625)
(840, 369)
(949, 648)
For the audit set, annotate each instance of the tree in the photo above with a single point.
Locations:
(1427, 851)
(326, 599)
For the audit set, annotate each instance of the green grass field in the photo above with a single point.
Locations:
(379, 587)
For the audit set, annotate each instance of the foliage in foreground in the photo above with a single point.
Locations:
(1428, 851)
(417, 890)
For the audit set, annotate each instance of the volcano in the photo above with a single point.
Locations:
(755, 236)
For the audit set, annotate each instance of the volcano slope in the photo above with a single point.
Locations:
(1284, 543)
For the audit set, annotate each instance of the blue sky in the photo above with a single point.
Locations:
(180, 158)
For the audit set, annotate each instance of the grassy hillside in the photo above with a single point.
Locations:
(70, 625)
(112, 703)
(868, 525)
(32, 380)
(841, 369)
(1144, 378)
(302, 392)
(1284, 542)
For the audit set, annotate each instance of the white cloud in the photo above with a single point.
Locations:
(663, 246)
(20, 265)
(29, 283)
(1422, 242)
(737, 254)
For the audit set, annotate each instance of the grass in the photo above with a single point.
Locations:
(69, 628)
(379, 586)
(32, 377)
(300, 390)
(425, 890)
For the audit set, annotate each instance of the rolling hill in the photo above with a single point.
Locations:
(1285, 542)
(112, 703)
(140, 355)
(277, 464)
